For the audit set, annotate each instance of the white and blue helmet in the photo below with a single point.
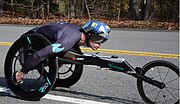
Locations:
(99, 31)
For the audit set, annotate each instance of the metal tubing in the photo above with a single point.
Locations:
(151, 81)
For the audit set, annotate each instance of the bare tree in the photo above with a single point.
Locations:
(1, 7)
(105, 9)
(29, 4)
(12, 7)
(146, 10)
(85, 1)
(72, 4)
(46, 8)
(134, 9)
(119, 10)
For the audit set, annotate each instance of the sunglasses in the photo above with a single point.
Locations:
(98, 38)
(100, 41)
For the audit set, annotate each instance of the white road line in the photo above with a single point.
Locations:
(71, 100)
(7, 91)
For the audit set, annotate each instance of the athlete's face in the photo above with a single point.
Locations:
(94, 45)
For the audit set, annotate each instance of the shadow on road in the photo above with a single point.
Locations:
(3, 88)
(3, 82)
(6, 92)
(114, 99)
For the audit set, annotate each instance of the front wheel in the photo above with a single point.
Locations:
(161, 71)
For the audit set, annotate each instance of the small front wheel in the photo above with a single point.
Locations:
(161, 71)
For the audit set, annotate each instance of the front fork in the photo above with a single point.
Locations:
(158, 84)
(144, 78)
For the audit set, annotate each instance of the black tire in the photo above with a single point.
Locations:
(165, 72)
(68, 75)
(35, 85)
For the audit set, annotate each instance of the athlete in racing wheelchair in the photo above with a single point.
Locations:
(64, 36)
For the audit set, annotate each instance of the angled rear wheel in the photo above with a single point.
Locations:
(38, 81)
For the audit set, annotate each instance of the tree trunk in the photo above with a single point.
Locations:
(1, 7)
(87, 8)
(12, 8)
(37, 7)
(72, 4)
(47, 9)
(134, 10)
(29, 9)
(119, 9)
(42, 11)
(83, 8)
(59, 5)
(146, 9)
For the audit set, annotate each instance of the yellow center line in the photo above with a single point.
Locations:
(134, 53)
(6, 43)
(109, 51)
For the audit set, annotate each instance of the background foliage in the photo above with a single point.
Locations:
(108, 10)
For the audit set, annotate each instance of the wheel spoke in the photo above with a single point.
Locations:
(150, 74)
(157, 95)
(172, 88)
(159, 73)
(164, 97)
(66, 69)
(165, 75)
(16, 57)
(172, 80)
(171, 94)
(63, 71)
(66, 66)
(70, 68)
(151, 89)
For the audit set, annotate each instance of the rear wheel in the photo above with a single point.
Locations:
(38, 81)
(161, 71)
(68, 75)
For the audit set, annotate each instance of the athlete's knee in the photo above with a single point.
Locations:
(57, 48)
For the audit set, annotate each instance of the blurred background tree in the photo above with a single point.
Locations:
(147, 10)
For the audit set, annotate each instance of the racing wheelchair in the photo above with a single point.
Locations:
(157, 81)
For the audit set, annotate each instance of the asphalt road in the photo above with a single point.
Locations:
(100, 86)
